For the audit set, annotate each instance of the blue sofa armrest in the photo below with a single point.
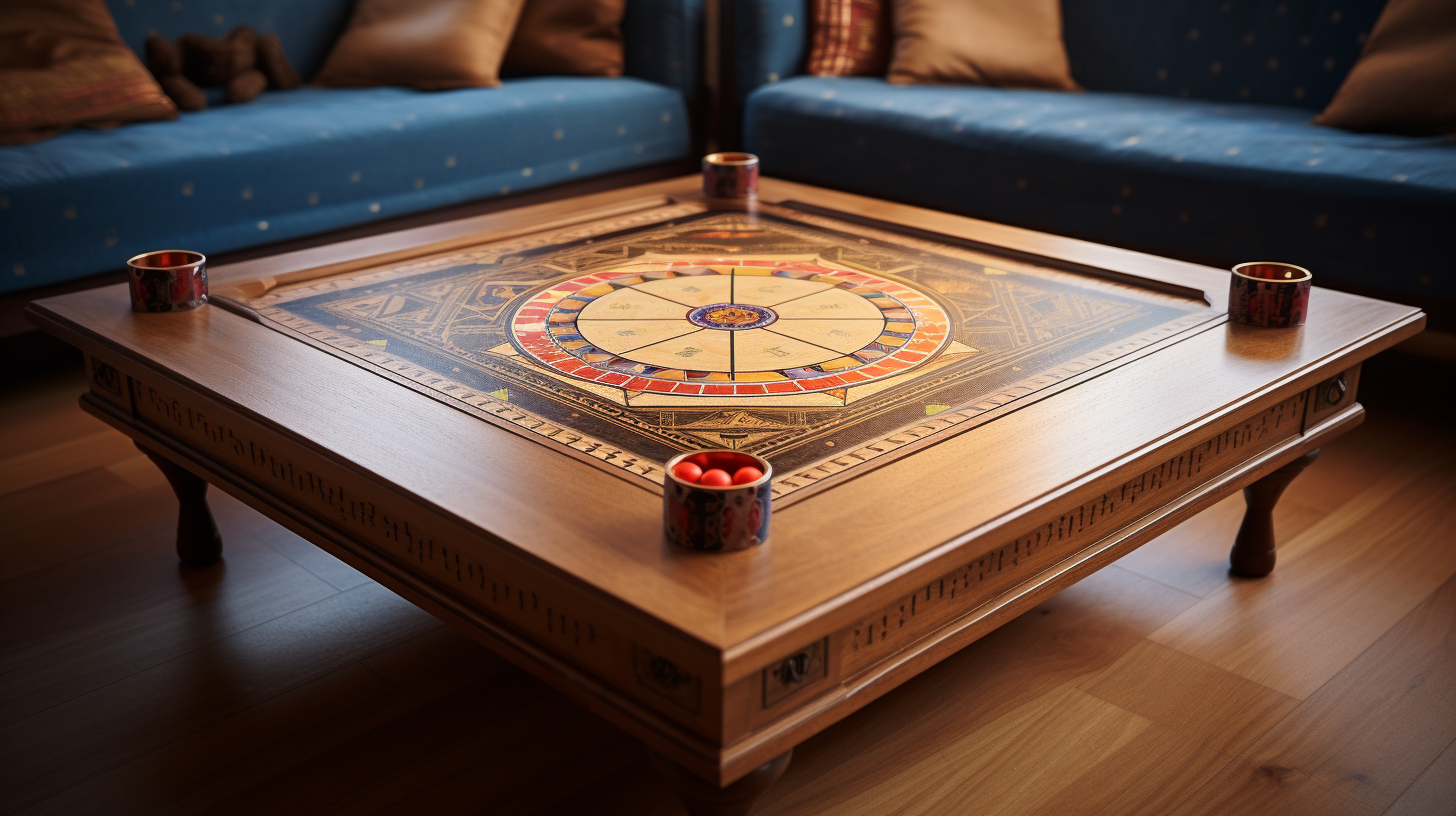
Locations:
(663, 43)
(771, 42)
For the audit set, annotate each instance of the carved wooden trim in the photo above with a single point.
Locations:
(426, 544)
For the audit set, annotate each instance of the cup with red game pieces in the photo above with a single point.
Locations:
(717, 500)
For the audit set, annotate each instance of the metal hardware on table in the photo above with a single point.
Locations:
(794, 669)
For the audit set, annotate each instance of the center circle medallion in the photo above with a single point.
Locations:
(732, 316)
(801, 331)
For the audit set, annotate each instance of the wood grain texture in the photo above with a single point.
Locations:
(1434, 792)
(736, 601)
(424, 718)
(464, 519)
(1242, 787)
(1378, 724)
(1375, 547)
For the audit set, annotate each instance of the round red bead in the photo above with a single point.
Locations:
(747, 474)
(716, 477)
(687, 471)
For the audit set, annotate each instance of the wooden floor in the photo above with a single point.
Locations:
(282, 681)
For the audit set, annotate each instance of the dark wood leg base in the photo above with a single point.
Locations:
(1253, 553)
(703, 798)
(198, 541)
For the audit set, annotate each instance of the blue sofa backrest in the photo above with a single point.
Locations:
(1281, 52)
(307, 28)
(661, 36)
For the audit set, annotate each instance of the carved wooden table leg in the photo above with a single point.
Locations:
(1253, 553)
(703, 798)
(198, 541)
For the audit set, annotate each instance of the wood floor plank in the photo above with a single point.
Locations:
(636, 789)
(82, 514)
(201, 770)
(138, 471)
(1008, 766)
(1242, 787)
(1079, 632)
(1293, 631)
(1147, 776)
(77, 455)
(51, 750)
(141, 610)
(1434, 791)
(373, 771)
(436, 663)
(134, 687)
(1220, 710)
(1388, 442)
(537, 771)
(1194, 556)
(42, 412)
(338, 574)
(1379, 723)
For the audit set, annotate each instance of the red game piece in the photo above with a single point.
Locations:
(688, 471)
(716, 477)
(747, 474)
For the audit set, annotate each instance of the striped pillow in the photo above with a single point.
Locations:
(63, 64)
(850, 38)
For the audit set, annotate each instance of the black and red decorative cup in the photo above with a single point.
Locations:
(169, 280)
(1268, 294)
(717, 518)
(730, 175)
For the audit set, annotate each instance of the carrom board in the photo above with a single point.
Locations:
(825, 346)
(565, 350)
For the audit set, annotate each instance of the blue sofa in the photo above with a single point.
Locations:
(1192, 140)
(293, 163)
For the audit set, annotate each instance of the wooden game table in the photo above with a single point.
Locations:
(452, 411)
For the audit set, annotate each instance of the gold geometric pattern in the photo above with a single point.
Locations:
(450, 327)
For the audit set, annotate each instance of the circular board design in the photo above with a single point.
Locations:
(712, 329)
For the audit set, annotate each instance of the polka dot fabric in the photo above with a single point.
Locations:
(301, 162)
(1205, 181)
(772, 42)
(1278, 52)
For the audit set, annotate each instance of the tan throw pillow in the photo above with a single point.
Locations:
(426, 44)
(572, 37)
(1405, 79)
(63, 64)
(1003, 43)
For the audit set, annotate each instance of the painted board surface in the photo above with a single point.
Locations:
(823, 346)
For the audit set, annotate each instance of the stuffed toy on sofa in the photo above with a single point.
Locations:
(244, 63)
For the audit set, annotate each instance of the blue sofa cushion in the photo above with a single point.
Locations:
(299, 162)
(1278, 52)
(1192, 179)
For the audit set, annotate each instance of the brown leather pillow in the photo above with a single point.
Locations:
(426, 44)
(1405, 79)
(850, 38)
(1004, 43)
(573, 37)
(63, 64)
